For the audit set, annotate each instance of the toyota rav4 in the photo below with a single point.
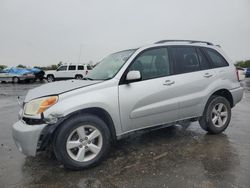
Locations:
(151, 86)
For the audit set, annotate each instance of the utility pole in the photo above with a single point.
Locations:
(80, 53)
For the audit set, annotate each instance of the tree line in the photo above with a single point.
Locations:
(45, 68)
(50, 67)
(243, 64)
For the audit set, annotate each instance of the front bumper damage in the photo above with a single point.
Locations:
(26, 137)
(30, 139)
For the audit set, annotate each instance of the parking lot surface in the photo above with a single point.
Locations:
(170, 157)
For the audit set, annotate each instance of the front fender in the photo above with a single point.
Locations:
(105, 98)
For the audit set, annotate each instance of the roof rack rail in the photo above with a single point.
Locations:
(190, 41)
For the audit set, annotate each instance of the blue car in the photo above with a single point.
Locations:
(16, 75)
(248, 72)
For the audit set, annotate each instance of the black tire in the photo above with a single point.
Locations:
(78, 77)
(15, 80)
(206, 122)
(28, 81)
(50, 78)
(64, 133)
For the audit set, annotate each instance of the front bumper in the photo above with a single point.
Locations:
(26, 137)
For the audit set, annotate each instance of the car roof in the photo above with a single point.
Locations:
(184, 43)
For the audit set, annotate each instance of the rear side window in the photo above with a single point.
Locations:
(186, 59)
(89, 67)
(204, 63)
(80, 67)
(216, 59)
(72, 67)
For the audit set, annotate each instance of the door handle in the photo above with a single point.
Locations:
(168, 82)
(207, 75)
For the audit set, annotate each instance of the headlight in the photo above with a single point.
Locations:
(37, 106)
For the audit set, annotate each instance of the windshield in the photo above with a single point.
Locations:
(110, 65)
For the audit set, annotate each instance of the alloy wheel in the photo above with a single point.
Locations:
(219, 115)
(50, 79)
(84, 143)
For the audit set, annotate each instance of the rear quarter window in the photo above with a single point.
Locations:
(215, 58)
(89, 67)
(80, 67)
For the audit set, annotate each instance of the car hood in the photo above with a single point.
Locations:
(56, 88)
(50, 72)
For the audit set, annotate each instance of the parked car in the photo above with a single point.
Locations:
(68, 71)
(248, 72)
(137, 89)
(241, 73)
(16, 75)
(39, 74)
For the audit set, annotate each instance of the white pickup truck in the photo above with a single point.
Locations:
(68, 71)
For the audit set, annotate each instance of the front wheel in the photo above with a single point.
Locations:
(216, 116)
(82, 141)
(50, 78)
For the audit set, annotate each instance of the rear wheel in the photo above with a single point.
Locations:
(216, 116)
(15, 80)
(50, 78)
(78, 77)
(82, 142)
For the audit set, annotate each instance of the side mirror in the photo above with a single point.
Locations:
(133, 76)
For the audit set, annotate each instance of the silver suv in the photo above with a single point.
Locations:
(160, 84)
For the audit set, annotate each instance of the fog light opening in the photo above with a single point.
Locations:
(51, 119)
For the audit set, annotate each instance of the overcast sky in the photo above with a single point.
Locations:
(48, 31)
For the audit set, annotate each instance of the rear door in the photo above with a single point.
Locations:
(194, 74)
(80, 70)
(71, 71)
(152, 100)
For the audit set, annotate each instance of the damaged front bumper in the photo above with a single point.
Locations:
(26, 137)
(33, 135)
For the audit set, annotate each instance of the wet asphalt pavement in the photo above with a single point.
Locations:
(170, 157)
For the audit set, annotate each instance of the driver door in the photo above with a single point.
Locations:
(150, 101)
(61, 72)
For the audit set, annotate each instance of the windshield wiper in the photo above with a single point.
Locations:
(107, 79)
